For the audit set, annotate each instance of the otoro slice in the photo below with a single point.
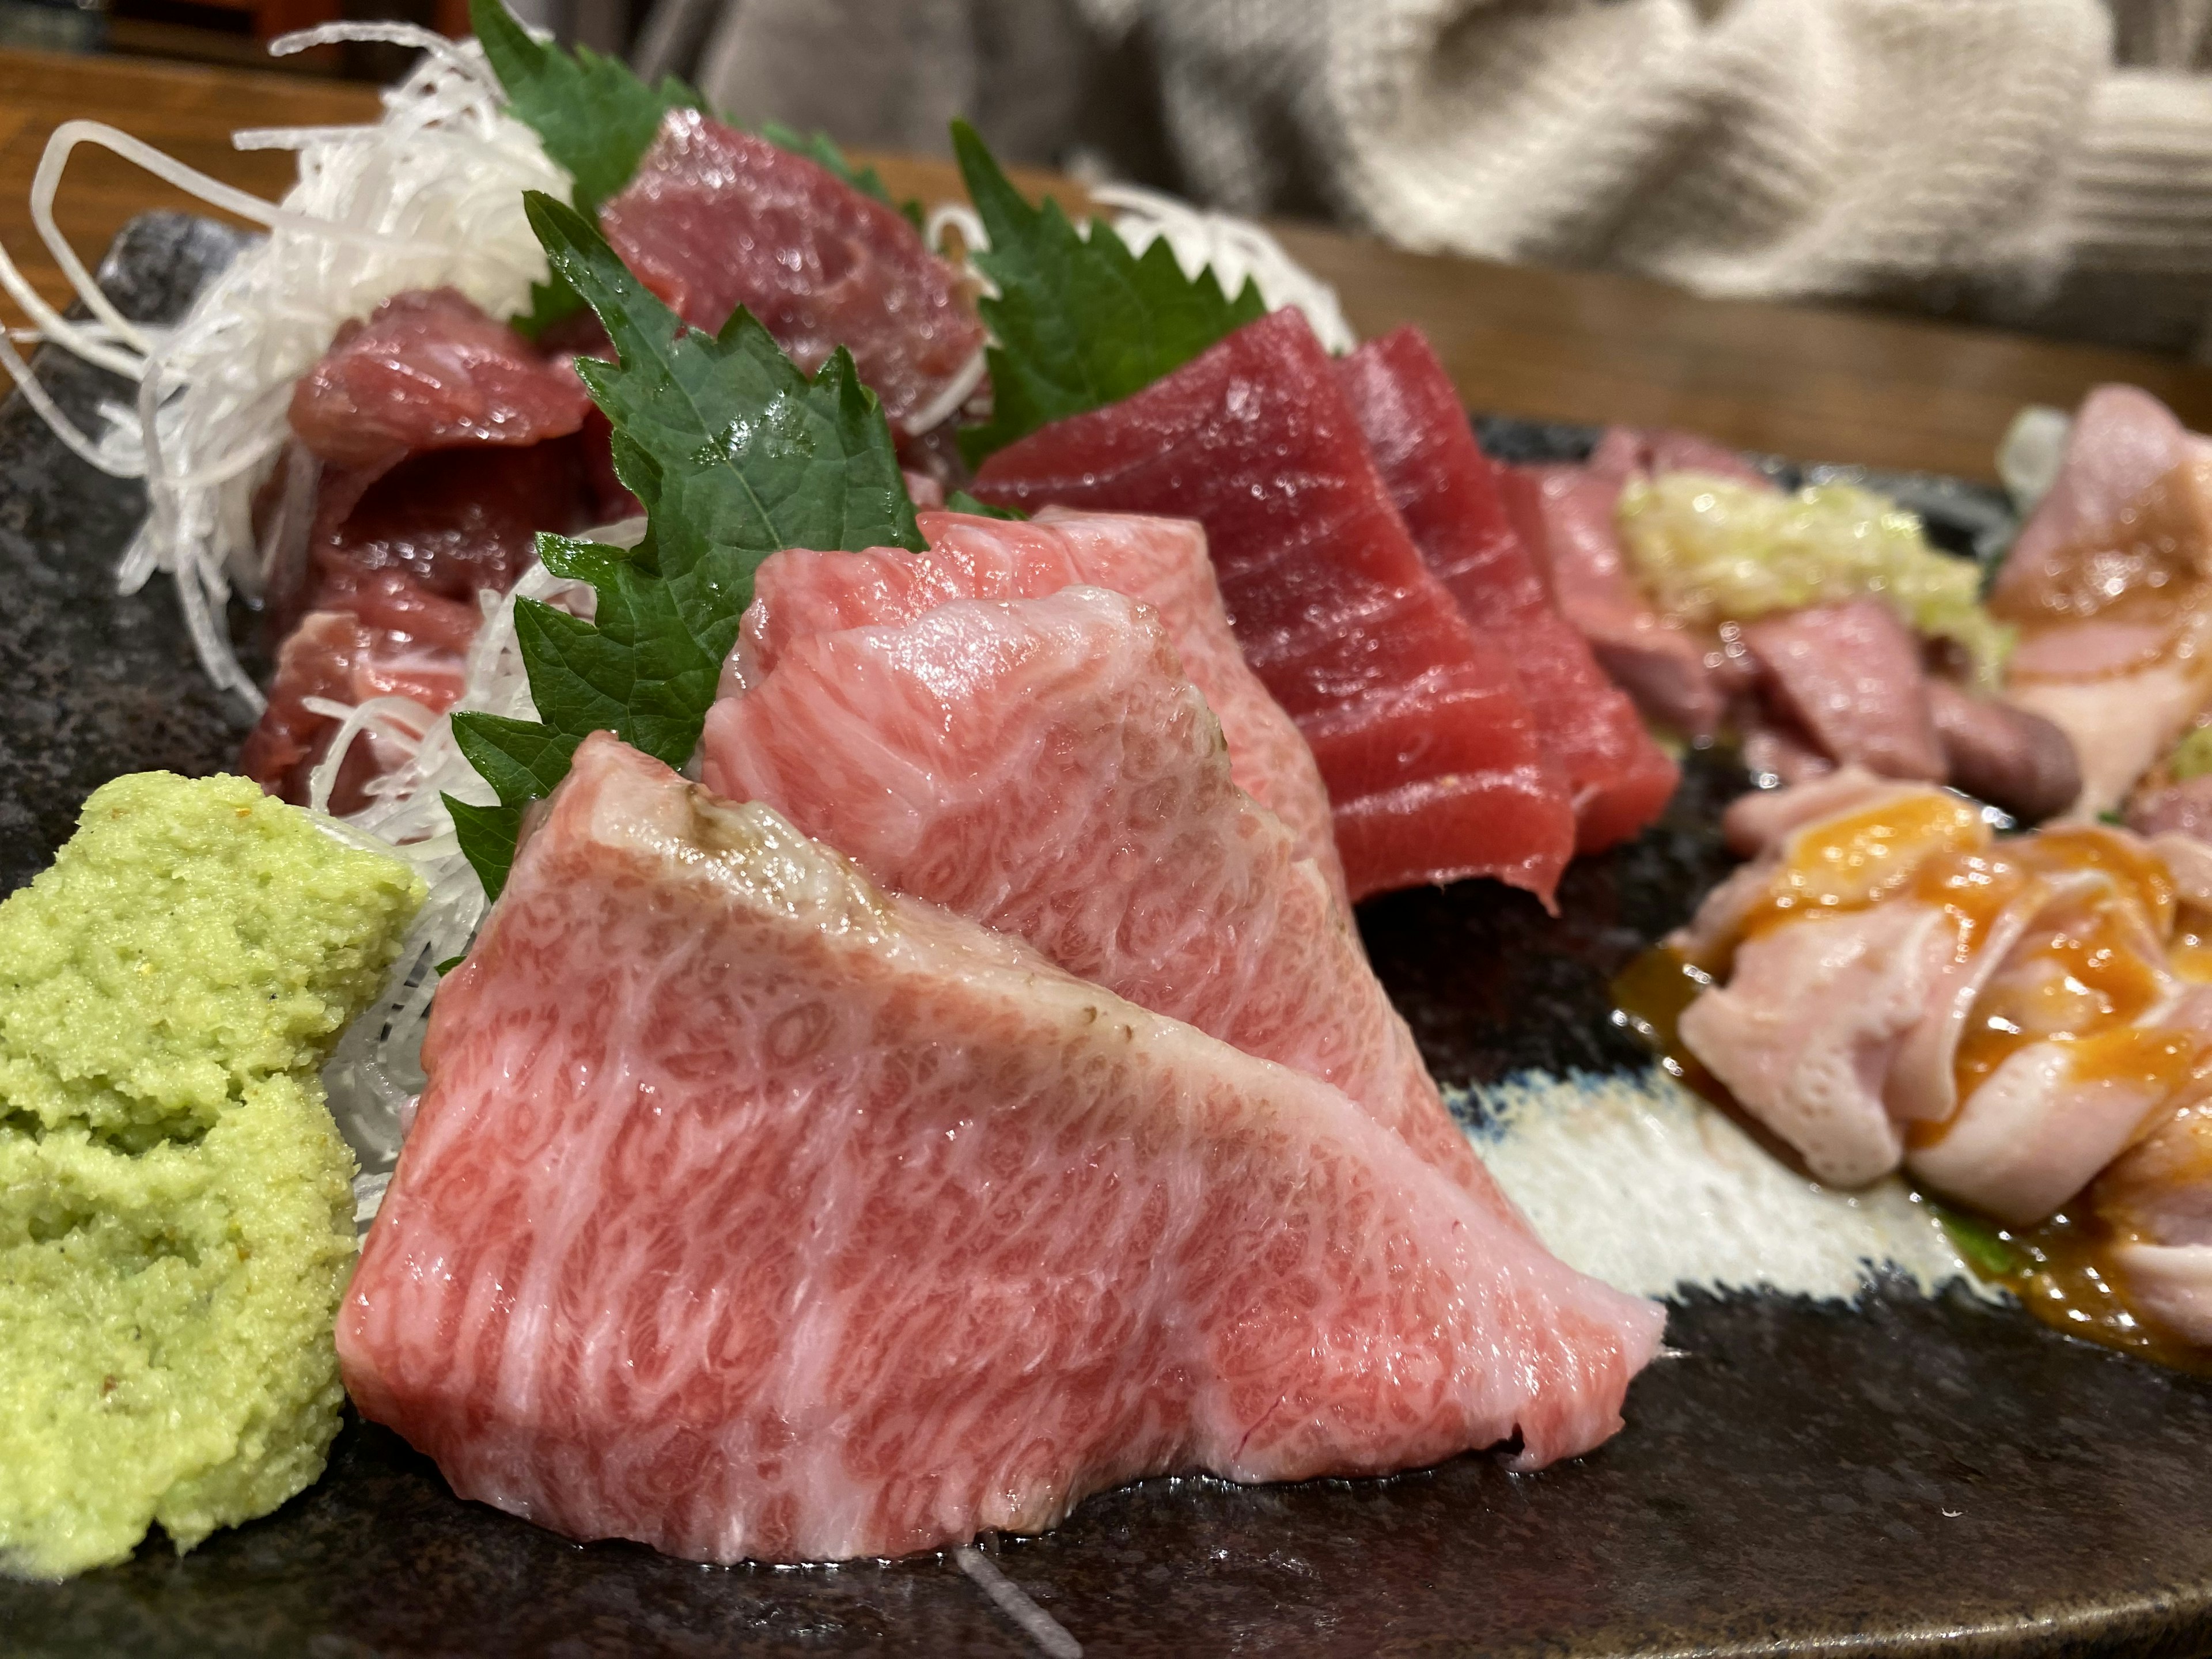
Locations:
(752, 1211)
(1043, 767)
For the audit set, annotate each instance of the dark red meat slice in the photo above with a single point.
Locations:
(1448, 490)
(1045, 768)
(434, 443)
(753, 1211)
(454, 522)
(1849, 675)
(403, 557)
(716, 219)
(2003, 755)
(337, 655)
(1424, 739)
(429, 370)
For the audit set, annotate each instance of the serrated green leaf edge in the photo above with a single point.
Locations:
(961, 502)
(1079, 321)
(736, 455)
(593, 115)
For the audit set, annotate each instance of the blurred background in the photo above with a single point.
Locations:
(2039, 164)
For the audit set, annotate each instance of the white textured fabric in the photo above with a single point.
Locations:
(1782, 148)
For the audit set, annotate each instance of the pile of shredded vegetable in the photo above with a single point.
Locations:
(429, 196)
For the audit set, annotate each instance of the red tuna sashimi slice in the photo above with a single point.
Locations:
(1162, 561)
(1044, 768)
(429, 370)
(1428, 749)
(1448, 490)
(715, 219)
(752, 1211)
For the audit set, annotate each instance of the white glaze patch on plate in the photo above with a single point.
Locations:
(1637, 1181)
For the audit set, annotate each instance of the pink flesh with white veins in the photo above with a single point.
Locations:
(1043, 767)
(753, 1212)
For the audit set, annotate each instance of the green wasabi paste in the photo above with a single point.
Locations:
(176, 1207)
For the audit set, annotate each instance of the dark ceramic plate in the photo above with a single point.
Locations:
(1908, 1475)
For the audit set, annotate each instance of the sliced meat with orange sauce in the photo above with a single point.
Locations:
(2108, 583)
(2157, 1197)
(1805, 1032)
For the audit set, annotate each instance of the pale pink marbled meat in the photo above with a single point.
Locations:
(1162, 561)
(1043, 767)
(751, 1212)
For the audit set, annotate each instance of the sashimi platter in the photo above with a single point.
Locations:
(747, 919)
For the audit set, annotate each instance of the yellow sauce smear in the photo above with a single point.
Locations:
(2095, 982)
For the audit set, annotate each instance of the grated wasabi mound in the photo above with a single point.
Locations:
(175, 1204)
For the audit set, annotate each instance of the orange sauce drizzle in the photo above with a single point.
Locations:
(2144, 567)
(2062, 1273)
(1853, 862)
(2096, 982)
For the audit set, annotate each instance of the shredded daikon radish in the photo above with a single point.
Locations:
(949, 402)
(376, 1070)
(429, 196)
(1034, 1622)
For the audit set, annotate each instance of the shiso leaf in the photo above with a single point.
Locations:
(735, 454)
(593, 115)
(1079, 321)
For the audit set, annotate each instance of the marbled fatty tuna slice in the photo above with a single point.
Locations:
(1043, 767)
(1162, 561)
(1429, 753)
(1447, 491)
(752, 1211)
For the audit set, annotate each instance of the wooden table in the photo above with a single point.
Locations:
(1818, 383)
